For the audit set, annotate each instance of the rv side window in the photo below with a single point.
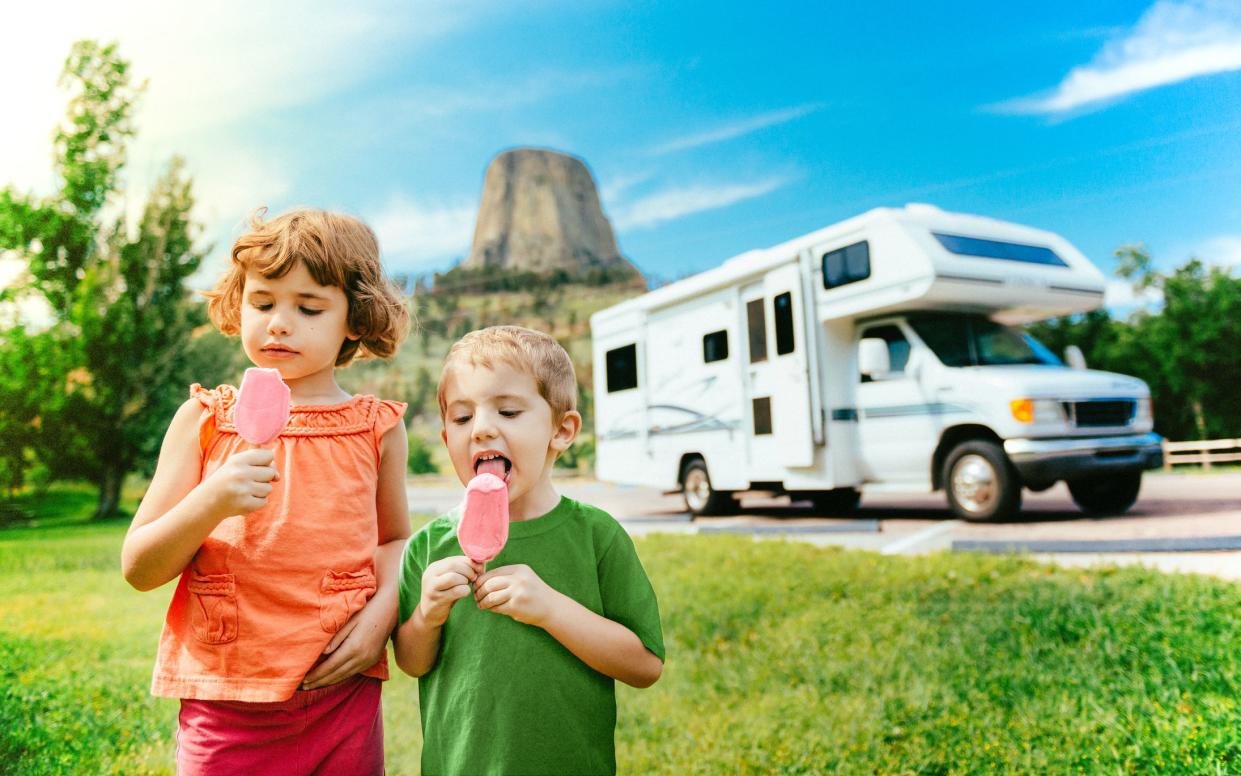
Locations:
(783, 304)
(757, 320)
(898, 347)
(622, 368)
(846, 265)
(714, 346)
(761, 409)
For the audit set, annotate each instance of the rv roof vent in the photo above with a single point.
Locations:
(922, 208)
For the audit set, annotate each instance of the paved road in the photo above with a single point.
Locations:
(1172, 506)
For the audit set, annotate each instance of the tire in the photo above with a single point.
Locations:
(1110, 494)
(981, 482)
(841, 501)
(700, 498)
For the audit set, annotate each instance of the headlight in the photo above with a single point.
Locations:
(1146, 410)
(1036, 410)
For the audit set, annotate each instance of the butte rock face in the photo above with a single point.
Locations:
(540, 212)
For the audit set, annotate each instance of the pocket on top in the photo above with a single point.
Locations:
(341, 593)
(213, 607)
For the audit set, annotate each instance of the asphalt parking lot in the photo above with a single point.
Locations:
(1182, 522)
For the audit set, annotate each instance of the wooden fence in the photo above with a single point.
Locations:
(1204, 454)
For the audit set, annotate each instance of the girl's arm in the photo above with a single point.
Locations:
(360, 642)
(179, 510)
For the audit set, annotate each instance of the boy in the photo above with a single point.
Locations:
(520, 678)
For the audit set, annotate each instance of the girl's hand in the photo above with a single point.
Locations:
(516, 591)
(445, 582)
(358, 645)
(243, 483)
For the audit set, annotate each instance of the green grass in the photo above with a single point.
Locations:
(783, 658)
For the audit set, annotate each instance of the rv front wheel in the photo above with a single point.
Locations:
(981, 483)
(700, 498)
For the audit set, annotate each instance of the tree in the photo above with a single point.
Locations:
(1192, 346)
(121, 346)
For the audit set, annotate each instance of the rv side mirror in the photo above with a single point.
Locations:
(1074, 357)
(872, 357)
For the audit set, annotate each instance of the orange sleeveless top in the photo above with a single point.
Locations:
(265, 593)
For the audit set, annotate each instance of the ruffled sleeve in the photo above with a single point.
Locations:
(214, 401)
(388, 414)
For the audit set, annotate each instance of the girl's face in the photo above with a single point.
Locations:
(293, 324)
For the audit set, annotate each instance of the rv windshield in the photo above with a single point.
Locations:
(972, 340)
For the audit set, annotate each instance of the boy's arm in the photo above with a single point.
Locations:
(605, 645)
(361, 641)
(444, 582)
(416, 644)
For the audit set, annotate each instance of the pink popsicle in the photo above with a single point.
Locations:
(262, 405)
(484, 518)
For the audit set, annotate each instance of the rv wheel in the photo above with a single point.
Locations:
(700, 498)
(981, 482)
(1110, 494)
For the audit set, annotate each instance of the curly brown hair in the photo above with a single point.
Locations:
(337, 250)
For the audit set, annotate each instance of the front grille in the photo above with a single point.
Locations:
(1100, 412)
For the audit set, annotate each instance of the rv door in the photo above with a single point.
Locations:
(790, 402)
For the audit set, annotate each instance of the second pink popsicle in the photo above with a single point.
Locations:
(484, 518)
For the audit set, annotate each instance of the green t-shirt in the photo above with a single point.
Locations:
(507, 698)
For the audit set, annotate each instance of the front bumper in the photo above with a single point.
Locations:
(1049, 460)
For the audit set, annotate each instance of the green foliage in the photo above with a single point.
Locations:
(1188, 350)
(470, 280)
(92, 394)
(783, 658)
(421, 460)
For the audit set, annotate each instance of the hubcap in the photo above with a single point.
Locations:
(974, 483)
(697, 489)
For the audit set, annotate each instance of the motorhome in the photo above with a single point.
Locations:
(883, 353)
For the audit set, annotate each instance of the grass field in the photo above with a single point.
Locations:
(783, 658)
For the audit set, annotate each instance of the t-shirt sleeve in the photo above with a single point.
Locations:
(414, 561)
(628, 597)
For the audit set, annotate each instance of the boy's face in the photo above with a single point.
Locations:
(499, 411)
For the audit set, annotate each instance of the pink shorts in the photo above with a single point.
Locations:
(331, 730)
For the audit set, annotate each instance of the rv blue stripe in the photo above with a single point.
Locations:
(907, 410)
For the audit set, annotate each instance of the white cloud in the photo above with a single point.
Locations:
(213, 71)
(736, 129)
(414, 235)
(1223, 251)
(1119, 294)
(613, 187)
(674, 203)
(1171, 42)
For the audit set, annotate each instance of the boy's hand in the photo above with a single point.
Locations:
(516, 591)
(243, 483)
(445, 582)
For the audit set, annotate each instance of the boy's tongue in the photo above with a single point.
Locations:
(493, 466)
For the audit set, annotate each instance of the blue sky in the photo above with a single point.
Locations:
(711, 128)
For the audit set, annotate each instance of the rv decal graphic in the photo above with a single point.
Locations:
(668, 419)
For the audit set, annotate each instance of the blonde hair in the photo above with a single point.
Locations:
(337, 250)
(533, 352)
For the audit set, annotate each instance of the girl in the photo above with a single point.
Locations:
(287, 556)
